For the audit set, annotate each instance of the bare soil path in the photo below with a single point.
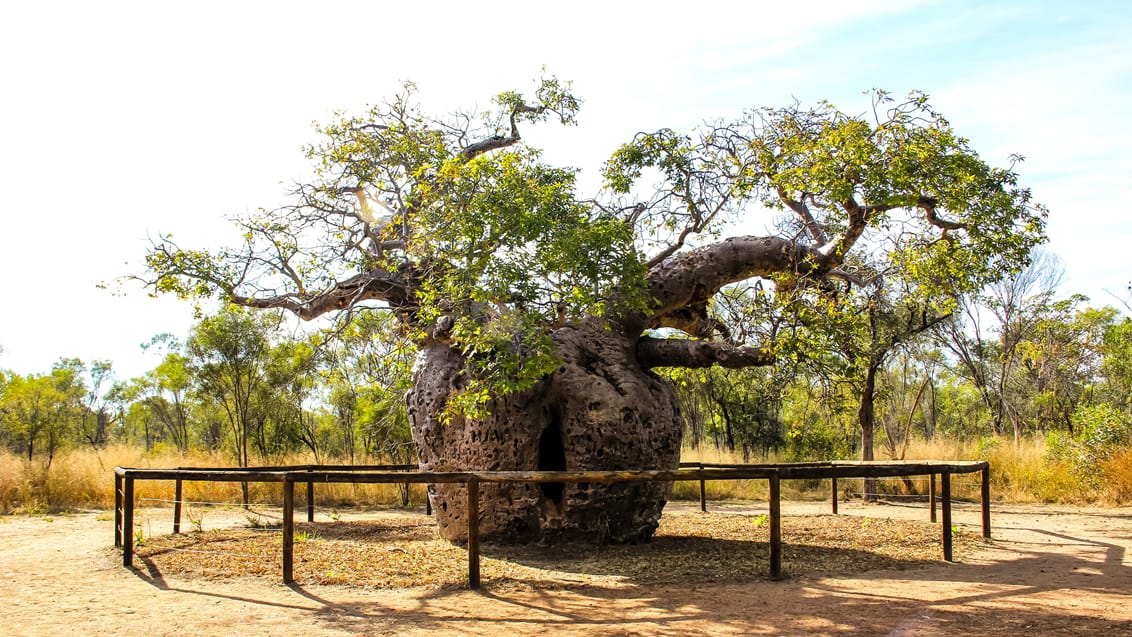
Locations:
(1049, 571)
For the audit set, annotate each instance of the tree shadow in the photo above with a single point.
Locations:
(680, 585)
(685, 560)
(931, 598)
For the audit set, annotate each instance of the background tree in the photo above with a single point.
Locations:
(1117, 365)
(167, 388)
(538, 315)
(289, 394)
(97, 414)
(1061, 361)
(369, 371)
(229, 356)
(884, 324)
(41, 411)
(1010, 309)
(137, 416)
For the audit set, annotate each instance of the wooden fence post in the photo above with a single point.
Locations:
(128, 523)
(945, 505)
(703, 490)
(117, 510)
(473, 512)
(177, 491)
(288, 530)
(985, 496)
(775, 527)
(931, 496)
(310, 500)
(833, 494)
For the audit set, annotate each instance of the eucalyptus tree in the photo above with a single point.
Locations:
(289, 398)
(229, 354)
(1061, 361)
(1117, 364)
(41, 411)
(368, 370)
(889, 322)
(538, 315)
(166, 392)
(170, 399)
(97, 415)
(27, 410)
(1009, 309)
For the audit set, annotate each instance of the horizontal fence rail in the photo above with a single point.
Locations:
(124, 499)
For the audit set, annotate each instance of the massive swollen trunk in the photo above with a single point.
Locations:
(600, 410)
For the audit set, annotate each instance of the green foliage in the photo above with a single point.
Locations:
(491, 239)
(506, 247)
(664, 150)
(737, 410)
(964, 223)
(1100, 432)
(817, 441)
(1117, 363)
(987, 446)
(42, 414)
(820, 422)
(230, 356)
(302, 537)
(367, 371)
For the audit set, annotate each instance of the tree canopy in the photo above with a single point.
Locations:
(459, 228)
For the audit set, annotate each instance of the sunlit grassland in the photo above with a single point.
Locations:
(83, 479)
(1021, 473)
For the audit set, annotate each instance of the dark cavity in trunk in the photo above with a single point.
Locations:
(552, 457)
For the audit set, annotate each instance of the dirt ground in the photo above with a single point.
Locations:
(1048, 571)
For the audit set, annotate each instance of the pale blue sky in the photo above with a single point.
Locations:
(119, 119)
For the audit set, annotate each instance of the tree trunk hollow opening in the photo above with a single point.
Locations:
(552, 457)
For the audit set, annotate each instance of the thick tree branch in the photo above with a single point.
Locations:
(857, 218)
(689, 279)
(375, 285)
(660, 352)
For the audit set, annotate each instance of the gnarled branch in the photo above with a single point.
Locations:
(928, 204)
(689, 279)
(396, 288)
(660, 352)
(502, 141)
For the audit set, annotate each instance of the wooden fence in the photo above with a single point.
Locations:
(124, 501)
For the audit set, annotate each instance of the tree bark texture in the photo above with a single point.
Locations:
(600, 410)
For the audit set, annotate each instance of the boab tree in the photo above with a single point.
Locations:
(539, 316)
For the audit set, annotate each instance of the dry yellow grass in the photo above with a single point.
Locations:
(1118, 478)
(83, 479)
(1019, 473)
